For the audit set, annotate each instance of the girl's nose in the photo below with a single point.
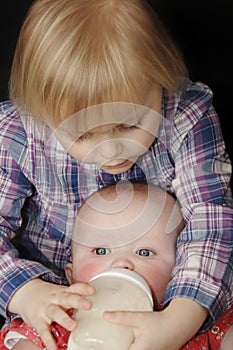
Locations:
(111, 149)
(123, 264)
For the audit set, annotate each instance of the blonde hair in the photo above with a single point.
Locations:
(72, 54)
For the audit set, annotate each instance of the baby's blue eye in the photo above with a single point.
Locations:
(101, 251)
(144, 252)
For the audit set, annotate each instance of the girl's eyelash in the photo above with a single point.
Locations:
(127, 127)
(86, 136)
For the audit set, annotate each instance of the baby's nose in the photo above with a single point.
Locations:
(123, 264)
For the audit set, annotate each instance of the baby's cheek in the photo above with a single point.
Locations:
(158, 279)
(84, 273)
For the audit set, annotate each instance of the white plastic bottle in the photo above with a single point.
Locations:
(116, 289)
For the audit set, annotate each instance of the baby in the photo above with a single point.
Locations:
(125, 225)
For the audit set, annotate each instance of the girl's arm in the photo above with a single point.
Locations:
(201, 183)
(23, 215)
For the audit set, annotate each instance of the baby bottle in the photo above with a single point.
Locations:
(116, 289)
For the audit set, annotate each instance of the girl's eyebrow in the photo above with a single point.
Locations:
(87, 134)
(70, 133)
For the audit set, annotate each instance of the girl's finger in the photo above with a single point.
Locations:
(126, 318)
(47, 338)
(69, 300)
(60, 316)
(82, 288)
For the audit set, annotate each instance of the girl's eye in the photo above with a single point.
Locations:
(144, 252)
(101, 251)
(85, 137)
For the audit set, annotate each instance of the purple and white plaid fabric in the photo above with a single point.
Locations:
(42, 188)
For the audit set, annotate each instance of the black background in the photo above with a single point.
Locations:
(203, 31)
(201, 28)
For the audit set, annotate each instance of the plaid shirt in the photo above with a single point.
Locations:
(42, 188)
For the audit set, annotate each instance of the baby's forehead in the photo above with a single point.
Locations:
(116, 201)
(125, 196)
(114, 217)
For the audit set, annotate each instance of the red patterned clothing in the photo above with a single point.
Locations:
(212, 339)
(60, 334)
(209, 340)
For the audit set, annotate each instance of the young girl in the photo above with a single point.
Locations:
(100, 94)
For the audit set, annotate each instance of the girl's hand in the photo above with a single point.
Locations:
(162, 330)
(40, 303)
(149, 329)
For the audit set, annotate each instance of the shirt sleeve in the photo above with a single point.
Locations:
(14, 271)
(203, 270)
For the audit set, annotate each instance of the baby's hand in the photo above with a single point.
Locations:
(25, 344)
(40, 303)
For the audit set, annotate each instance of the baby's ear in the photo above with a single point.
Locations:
(68, 271)
(175, 221)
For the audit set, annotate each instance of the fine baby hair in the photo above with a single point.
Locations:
(134, 209)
